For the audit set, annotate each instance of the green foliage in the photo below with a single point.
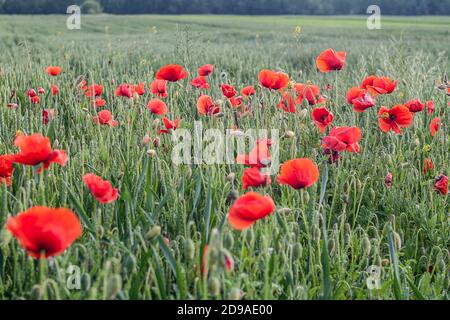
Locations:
(320, 248)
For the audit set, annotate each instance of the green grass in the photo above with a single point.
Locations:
(281, 257)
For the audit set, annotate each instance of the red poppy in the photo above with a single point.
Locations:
(252, 177)
(298, 173)
(35, 100)
(157, 106)
(427, 165)
(343, 139)
(139, 89)
(40, 90)
(258, 157)
(53, 70)
(376, 85)
(228, 91)
(45, 231)
(94, 90)
(200, 83)
(104, 117)
(395, 118)
(171, 72)
(101, 189)
(125, 90)
(309, 92)
(430, 107)
(274, 80)
(330, 60)
(235, 101)
(159, 88)
(205, 106)
(32, 93)
(6, 169)
(169, 125)
(47, 115)
(248, 91)
(360, 99)
(287, 103)
(434, 126)
(99, 102)
(388, 180)
(54, 90)
(322, 117)
(205, 70)
(35, 149)
(415, 105)
(441, 184)
(249, 208)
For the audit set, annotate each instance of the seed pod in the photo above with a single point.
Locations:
(235, 294)
(113, 286)
(154, 232)
(214, 286)
(189, 249)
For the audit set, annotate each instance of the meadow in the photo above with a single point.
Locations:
(319, 243)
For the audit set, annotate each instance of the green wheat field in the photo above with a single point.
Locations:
(320, 243)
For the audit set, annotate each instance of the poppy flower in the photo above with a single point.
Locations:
(235, 101)
(228, 91)
(249, 208)
(434, 126)
(322, 117)
(343, 139)
(35, 149)
(205, 70)
(157, 106)
(6, 169)
(378, 85)
(53, 70)
(54, 90)
(205, 106)
(200, 83)
(415, 105)
(99, 102)
(258, 157)
(101, 189)
(388, 180)
(104, 117)
(35, 100)
(287, 103)
(360, 99)
(169, 125)
(308, 92)
(252, 177)
(47, 115)
(41, 90)
(45, 231)
(298, 173)
(274, 80)
(171, 72)
(441, 184)
(395, 118)
(94, 90)
(427, 165)
(330, 60)
(139, 89)
(430, 107)
(248, 91)
(125, 90)
(32, 93)
(159, 88)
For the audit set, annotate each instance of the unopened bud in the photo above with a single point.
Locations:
(113, 286)
(289, 134)
(235, 294)
(152, 152)
(231, 176)
(214, 286)
(189, 249)
(153, 233)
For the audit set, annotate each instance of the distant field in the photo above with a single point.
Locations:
(404, 229)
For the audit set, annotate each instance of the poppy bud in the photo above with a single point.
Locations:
(146, 139)
(316, 234)
(85, 110)
(331, 246)
(154, 232)
(151, 152)
(358, 185)
(100, 231)
(305, 196)
(129, 265)
(228, 241)
(284, 210)
(85, 282)
(297, 251)
(347, 232)
(5, 237)
(36, 292)
(249, 235)
(214, 286)
(303, 113)
(113, 286)
(189, 249)
(218, 102)
(232, 196)
(372, 194)
(385, 262)
(230, 177)
(366, 246)
(289, 134)
(235, 294)
(398, 240)
(156, 123)
(417, 142)
(227, 262)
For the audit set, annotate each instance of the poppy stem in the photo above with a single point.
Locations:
(336, 87)
(42, 272)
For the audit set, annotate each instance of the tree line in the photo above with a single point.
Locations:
(245, 7)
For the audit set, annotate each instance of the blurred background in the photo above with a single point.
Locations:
(244, 7)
